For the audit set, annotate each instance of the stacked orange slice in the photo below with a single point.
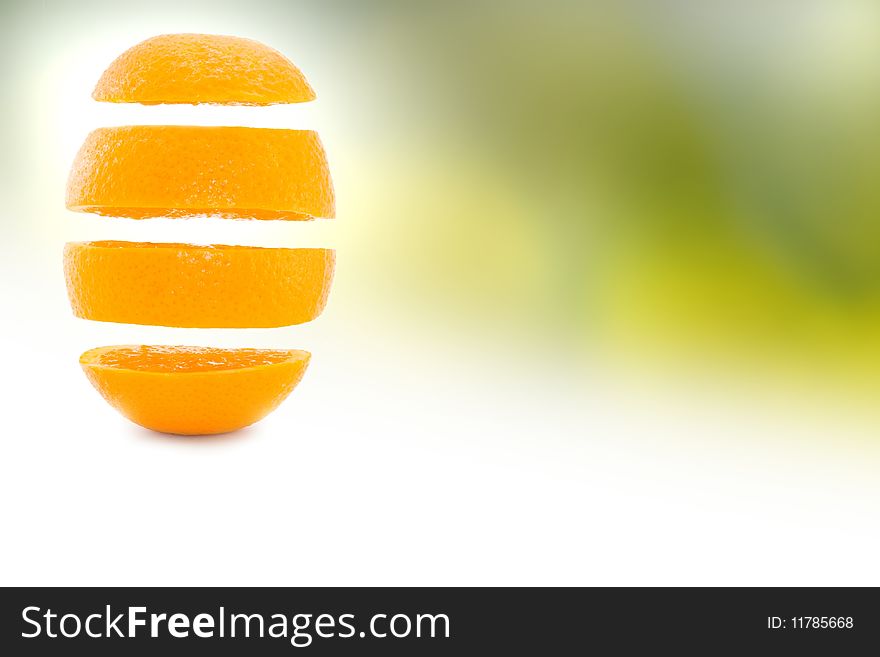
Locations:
(172, 170)
(138, 172)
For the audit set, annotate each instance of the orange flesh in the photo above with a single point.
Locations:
(188, 213)
(122, 244)
(145, 358)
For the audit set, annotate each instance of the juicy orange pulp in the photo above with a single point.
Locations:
(183, 359)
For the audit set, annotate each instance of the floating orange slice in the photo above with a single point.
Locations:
(197, 286)
(193, 390)
(174, 171)
(202, 68)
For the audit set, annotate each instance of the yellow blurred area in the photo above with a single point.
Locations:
(666, 181)
(670, 182)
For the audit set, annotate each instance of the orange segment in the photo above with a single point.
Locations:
(193, 390)
(202, 68)
(197, 286)
(165, 170)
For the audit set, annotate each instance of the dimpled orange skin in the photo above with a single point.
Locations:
(193, 390)
(197, 286)
(202, 68)
(173, 171)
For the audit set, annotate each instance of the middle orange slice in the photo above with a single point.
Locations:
(191, 286)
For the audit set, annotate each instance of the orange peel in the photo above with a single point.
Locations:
(193, 390)
(177, 171)
(202, 68)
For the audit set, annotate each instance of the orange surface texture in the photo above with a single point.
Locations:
(202, 68)
(175, 171)
(197, 286)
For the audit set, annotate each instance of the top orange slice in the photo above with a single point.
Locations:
(202, 68)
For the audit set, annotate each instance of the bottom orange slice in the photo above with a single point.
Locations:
(193, 390)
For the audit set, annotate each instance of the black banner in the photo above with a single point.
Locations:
(446, 621)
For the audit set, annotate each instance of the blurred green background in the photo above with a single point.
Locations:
(657, 181)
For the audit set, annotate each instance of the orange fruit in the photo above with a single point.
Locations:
(193, 286)
(193, 390)
(173, 171)
(202, 68)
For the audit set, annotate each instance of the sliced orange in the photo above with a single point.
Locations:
(196, 286)
(193, 390)
(172, 171)
(202, 68)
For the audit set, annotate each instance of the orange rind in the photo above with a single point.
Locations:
(193, 390)
(185, 285)
(202, 68)
(178, 171)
